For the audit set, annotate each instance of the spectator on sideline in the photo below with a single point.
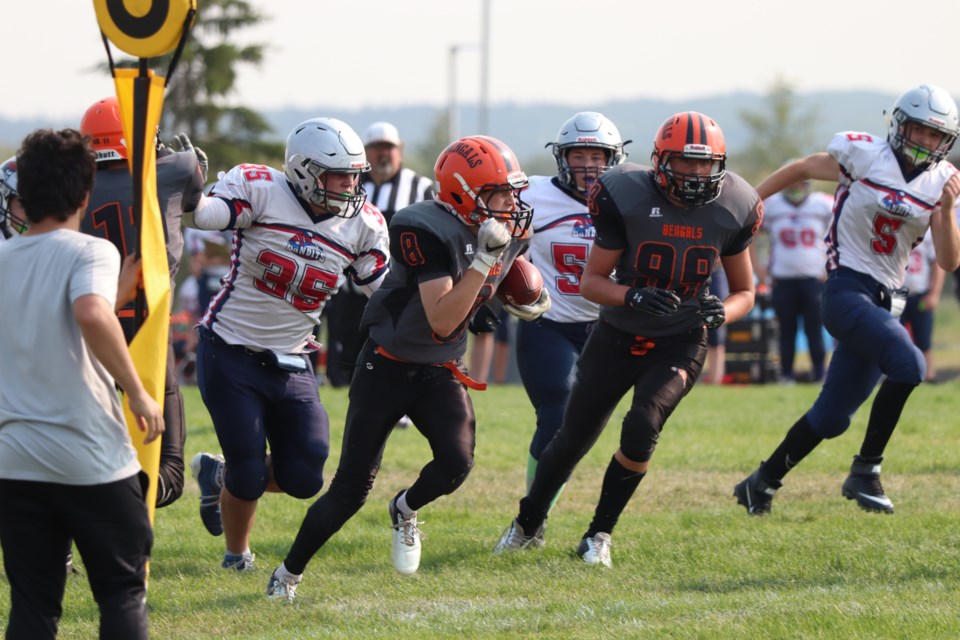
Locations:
(659, 233)
(390, 187)
(796, 221)
(924, 283)
(298, 234)
(416, 325)
(68, 468)
(586, 145)
(890, 192)
(179, 185)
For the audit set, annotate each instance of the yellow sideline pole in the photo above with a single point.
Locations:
(146, 29)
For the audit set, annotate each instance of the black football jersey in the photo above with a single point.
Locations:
(665, 245)
(426, 242)
(110, 212)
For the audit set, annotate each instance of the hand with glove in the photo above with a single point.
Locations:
(530, 311)
(712, 311)
(181, 142)
(652, 300)
(492, 240)
(485, 320)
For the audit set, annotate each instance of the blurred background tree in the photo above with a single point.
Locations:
(198, 95)
(779, 132)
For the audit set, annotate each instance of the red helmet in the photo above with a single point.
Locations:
(102, 123)
(694, 136)
(471, 169)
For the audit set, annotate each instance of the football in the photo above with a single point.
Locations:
(521, 285)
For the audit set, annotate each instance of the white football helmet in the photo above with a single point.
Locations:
(929, 106)
(325, 145)
(10, 223)
(586, 129)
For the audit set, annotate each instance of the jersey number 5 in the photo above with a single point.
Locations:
(885, 227)
(569, 260)
(280, 274)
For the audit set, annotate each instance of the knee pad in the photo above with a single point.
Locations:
(246, 479)
(829, 426)
(301, 477)
(639, 436)
(454, 472)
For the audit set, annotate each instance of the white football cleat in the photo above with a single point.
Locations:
(406, 541)
(596, 550)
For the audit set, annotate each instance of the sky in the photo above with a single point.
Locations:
(367, 53)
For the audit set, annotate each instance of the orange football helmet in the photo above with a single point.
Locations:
(471, 169)
(102, 123)
(694, 136)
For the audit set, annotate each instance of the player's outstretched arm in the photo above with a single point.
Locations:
(819, 166)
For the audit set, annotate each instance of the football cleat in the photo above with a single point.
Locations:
(406, 540)
(281, 589)
(863, 485)
(208, 471)
(756, 494)
(596, 550)
(239, 562)
(515, 539)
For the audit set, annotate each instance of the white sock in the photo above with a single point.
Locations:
(286, 576)
(402, 506)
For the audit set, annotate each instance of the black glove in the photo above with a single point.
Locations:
(712, 311)
(656, 302)
(181, 142)
(485, 320)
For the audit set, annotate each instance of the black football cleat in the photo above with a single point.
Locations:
(756, 494)
(863, 485)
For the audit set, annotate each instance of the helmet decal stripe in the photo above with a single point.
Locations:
(504, 151)
(703, 129)
(689, 128)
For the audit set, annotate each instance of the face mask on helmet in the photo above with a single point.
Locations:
(689, 136)
(10, 222)
(795, 194)
(930, 107)
(317, 151)
(102, 123)
(470, 171)
(586, 129)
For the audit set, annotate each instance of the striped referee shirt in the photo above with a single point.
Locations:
(403, 189)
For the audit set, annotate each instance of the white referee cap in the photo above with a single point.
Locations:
(382, 132)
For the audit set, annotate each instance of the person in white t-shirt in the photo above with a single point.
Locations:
(68, 468)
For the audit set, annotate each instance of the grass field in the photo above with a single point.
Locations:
(688, 562)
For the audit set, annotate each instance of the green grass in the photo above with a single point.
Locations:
(688, 562)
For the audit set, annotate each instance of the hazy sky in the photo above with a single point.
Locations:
(354, 53)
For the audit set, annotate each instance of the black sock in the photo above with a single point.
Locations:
(619, 483)
(886, 410)
(796, 445)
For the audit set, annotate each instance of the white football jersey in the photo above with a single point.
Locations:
(796, 235)
(286, 261)
(920, 266)
(879, 215)
(562, 237)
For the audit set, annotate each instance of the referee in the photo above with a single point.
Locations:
(389, 187)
